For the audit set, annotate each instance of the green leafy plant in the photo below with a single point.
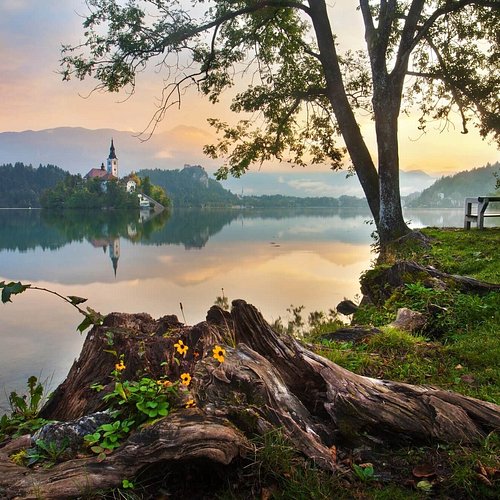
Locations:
(91, 317)
(146, 395)
(47, 452)
(127, 485)
(27, 406)
(24, 411)
(364, 472)
(108, 437)
(132, 403)
(20, 457)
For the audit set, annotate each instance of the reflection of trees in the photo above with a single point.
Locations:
(193, 227)
(104, 224)
(27, 229)
(23, 230)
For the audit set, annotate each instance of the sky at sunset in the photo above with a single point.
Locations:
(33, 96)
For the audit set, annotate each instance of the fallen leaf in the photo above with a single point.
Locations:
(424, 485)
(459, 367)
(491, 471)
(424, 470)
(484, 479)
(481, 468)
(468, 379)
(333, 451)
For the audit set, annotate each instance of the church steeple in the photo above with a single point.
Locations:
(112, 154)
(114, 253)
(112, 162)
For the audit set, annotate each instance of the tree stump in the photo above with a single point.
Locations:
(267, 380)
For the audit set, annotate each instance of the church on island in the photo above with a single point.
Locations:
(110, 171)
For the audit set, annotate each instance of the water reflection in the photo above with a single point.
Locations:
(130, 262)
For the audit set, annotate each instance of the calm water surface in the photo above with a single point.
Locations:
(134, 263)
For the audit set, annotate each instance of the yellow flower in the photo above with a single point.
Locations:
(120, 366)
(185, 379)
(181, 347)
(219, 353)
(190, 403)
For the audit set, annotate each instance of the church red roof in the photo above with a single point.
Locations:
(99, 173)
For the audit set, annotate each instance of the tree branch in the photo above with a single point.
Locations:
(370, 32)
(453, 88)
(449, 7)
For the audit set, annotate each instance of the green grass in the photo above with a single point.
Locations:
(458, 351)
(460, 348)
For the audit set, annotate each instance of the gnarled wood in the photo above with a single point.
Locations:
(380, 287)
(181, 437)
(267, 380)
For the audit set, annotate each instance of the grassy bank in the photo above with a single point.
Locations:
(460, 348)
(459, 351)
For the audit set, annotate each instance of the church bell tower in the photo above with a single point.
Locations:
(112, 162)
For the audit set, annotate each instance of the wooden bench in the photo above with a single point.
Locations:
(482, 203)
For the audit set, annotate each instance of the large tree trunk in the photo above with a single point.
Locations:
(351, 133)
(391, 222)
(267, 380)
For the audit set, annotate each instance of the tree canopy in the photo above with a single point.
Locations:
(22, 184)
(298, 93)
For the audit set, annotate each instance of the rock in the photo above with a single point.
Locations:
(409, 320)
(347, 307)
(69, 435)
(351, 334)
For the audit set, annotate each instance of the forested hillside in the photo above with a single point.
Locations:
(190, 187)
(450, 191)
(21, 185)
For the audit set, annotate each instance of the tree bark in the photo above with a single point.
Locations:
(391, 222)
(267, 380)
(358, 151)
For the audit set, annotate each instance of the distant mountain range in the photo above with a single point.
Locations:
(302, 183)
(77, 150)
(450, 191)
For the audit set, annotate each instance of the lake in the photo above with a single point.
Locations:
(132, 262)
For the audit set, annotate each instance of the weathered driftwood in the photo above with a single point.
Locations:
(378, 288)
(190, 435)
(267, 380)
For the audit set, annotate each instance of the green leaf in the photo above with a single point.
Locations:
(12, 288)
(424, 486)
(76, 300)
(120, 391)
(86, 323)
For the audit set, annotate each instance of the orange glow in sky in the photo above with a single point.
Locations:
(33, 96)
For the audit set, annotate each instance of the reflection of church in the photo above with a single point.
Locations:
(113, 244)
(106, 173)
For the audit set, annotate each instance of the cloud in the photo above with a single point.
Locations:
(14, 5)
(309, 187)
